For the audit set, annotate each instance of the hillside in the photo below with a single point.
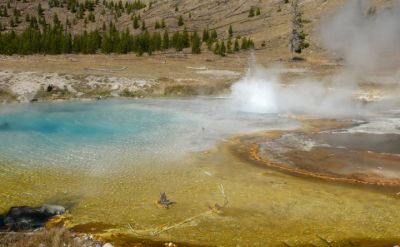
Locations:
(168, 72)
(271, 25)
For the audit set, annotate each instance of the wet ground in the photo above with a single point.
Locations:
(221, 198)
(341, 155)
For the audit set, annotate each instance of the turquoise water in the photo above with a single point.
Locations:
(107, 132)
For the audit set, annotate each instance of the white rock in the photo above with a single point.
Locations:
(108, 245)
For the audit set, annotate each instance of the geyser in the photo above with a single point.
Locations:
(255, 92)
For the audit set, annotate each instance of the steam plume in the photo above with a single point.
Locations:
(367, 40)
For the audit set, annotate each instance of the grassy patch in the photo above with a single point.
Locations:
(6, 95)
(54, 94)
(135, 94)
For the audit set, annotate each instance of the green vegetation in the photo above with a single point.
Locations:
(196, 44)
(42, 35)
(230, 31)
(254, 11)
(180, 21)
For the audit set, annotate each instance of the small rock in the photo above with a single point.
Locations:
(170, 244)
(53, 209)
(29, 218)
(108, 245)
(49, 88)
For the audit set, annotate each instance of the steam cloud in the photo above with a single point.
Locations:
(367, 43)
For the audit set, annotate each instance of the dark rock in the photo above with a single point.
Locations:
(49, 88)
(29, 218)
(34, 100)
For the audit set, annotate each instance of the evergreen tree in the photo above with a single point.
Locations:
(162, 23)
(12, 23)
(214, 35)
(222, 50)
(229, 46)
(135, 22)
(206, 35)
(258, 11)
(40, 10)
(157, 25)
(91, 17)
(251, 12)
(196, 44)
(217, 48)
(185, 38)
(236, 47)
(230, 31)
(180, 21)
(244, 45)
(165, 41)
(156, 42)
(143, 25)
(177, 41)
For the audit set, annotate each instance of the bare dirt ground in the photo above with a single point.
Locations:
(27, 78)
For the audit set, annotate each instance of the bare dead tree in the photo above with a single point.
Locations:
(297, 40)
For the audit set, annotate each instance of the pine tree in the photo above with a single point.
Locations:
(244, 44)
(251, 12)
(177, 41)
(40, 10)
(230, 31)
(165, 41)
(258, 11)
(206, 35)
(185, 38)
(157, 25)
(214, 35)
(12, 24)
(180, 21)
(135, 22)
(162, 23)
(216, 48)
(196, 44)
(143, 25)
(222, 49)
(229, 46)
(156, 42)
(236, 47)
(91, 17)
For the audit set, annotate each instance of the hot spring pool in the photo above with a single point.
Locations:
(107, 161)
(106, 132)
